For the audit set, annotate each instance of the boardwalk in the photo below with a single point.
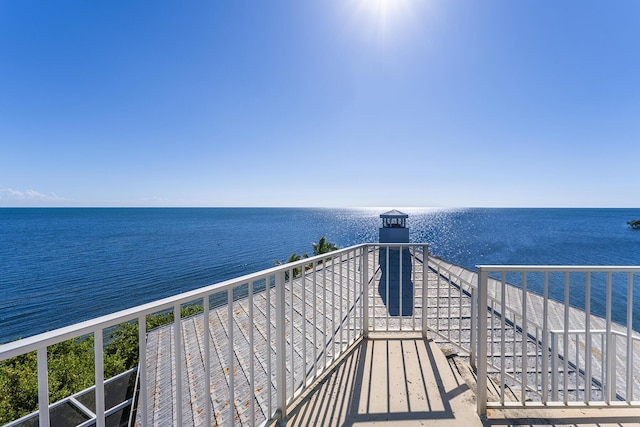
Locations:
(254, 350)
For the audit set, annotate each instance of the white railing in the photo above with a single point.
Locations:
(271, 334)
(613, 349)
(451, 308)
(543, 351)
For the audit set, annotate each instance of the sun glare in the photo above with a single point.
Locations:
(383, 17)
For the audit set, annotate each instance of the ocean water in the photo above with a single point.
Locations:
(63, 266)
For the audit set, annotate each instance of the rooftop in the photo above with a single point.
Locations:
(377, 334)
(320, 313)
(394, 213)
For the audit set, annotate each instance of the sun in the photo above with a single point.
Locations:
(383, 17)
(384, 7)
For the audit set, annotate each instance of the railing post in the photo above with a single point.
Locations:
(629, 396)
(545, 339)
(400, 311)
(281, 348)
(206, 306)
(611, 368)
(482, 342)
(177, 346)
(98, 344)
(473, 339)
(143, 404)
(425, 293)
(610, 344)
(386, 263)
(554, 365)
(588, 380)
(365, 290)
(43, 388)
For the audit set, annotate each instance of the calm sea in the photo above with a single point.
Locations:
(62, 266)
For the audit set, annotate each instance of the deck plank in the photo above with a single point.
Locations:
(332, 334)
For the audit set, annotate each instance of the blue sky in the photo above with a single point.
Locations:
(320, 103)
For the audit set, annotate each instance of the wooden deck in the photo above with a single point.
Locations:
(448, 315)
(556, 321)
(305, 324)
(395, 380)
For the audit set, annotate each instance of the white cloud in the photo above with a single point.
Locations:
(155, 199)
(11, 194)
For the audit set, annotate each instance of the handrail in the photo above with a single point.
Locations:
(560, 268)
(590, 364)
(45, 339)
(339, 273)
(302, 316)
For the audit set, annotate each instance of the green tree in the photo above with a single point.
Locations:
(323, 246)
(70, 370)
(293, 258)
(122, 352)
(18, 386)
(71, 367)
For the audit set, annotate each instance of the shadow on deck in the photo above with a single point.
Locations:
(408, 381)
(389, 380)
(396, 275)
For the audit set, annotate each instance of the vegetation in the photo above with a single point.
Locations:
(635, 224)
(293, 258)
(71, 369)
(322, 247)
(71, 366)
(71, 363)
